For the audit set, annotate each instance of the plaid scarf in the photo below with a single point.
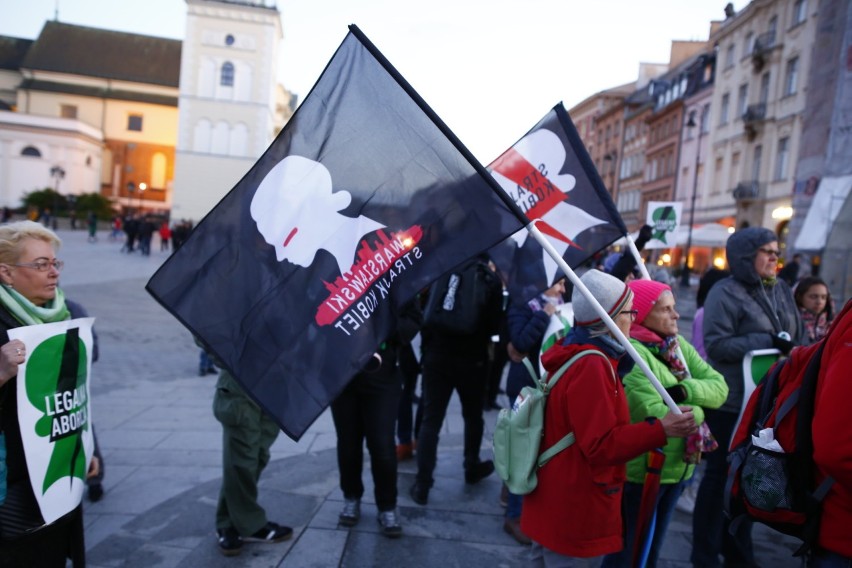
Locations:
(666, 349)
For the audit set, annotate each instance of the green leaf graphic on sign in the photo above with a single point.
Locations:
(665, 221)
(56, 385)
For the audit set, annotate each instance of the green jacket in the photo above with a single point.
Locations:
(705, 389)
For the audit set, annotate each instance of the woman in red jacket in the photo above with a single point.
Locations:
(832, 438)
(575, 511)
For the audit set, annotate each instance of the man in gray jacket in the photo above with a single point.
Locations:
(751, 309)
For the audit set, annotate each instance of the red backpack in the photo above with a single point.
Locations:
(777, 488)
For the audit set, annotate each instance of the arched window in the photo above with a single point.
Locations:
(31, 151)
(226, 78)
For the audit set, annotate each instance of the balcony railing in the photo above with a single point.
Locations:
(755, 113)
(760, 52)
(747, 191)
(752, 117)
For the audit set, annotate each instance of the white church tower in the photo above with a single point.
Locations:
(227, 100)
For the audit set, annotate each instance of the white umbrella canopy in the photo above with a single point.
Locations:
(708, 235)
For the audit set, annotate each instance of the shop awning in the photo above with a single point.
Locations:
(826, 205)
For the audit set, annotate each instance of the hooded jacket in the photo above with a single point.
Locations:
(576, 508)
(742, 313)
(832, 435)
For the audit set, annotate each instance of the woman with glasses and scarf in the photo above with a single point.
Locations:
(689, 380)
(574, 514)
(749, 310)
(30, 295)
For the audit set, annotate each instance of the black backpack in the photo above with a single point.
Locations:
(778, 488)
(464, 301)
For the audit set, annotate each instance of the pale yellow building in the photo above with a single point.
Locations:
(763, 60)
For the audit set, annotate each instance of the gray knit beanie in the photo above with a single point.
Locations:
(609, 291)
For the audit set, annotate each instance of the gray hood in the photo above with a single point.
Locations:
(742, 248)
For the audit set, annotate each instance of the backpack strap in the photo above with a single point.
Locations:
(548, 383)
(565, 442)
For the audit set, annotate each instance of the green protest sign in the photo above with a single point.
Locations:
(54, 412)
(664, 217)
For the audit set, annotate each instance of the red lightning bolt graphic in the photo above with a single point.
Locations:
(517, 169)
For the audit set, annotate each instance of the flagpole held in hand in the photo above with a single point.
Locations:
(647, 518)
(641, 263)
(578, 284)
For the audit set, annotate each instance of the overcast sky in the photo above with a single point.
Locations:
(490, 68)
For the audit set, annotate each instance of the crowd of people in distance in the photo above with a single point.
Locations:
(140, 229)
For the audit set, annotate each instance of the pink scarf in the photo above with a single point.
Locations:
(668, 349)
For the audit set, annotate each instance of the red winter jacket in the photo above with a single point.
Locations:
(832, 435)
(576, 508)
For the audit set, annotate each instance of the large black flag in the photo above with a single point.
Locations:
(298, 274)
(548, 173)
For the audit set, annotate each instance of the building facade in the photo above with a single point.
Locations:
(764, 54)
(98, 106)
(86, 110)
(228, 100)
(821, 227)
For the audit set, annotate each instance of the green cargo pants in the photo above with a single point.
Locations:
(247, 435)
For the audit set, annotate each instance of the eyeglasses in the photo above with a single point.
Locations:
(633, 313)
(770, 252)
(43, 265)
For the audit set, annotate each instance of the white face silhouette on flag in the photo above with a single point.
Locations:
(543, 151)
(297, 213)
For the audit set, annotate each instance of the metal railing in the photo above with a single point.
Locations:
(761, 48)
(755, 113)
(747, 190)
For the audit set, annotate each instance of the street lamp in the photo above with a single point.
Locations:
(131, 187)
(57, 173)
(610, 158)
(690, 124)
(142, 187)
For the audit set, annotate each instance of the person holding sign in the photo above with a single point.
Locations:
(30, 296)
(749, 310)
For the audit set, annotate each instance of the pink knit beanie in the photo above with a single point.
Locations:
(645, 295)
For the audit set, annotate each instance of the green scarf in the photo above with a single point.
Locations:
(28, 313)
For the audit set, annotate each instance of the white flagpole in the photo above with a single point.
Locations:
(572, 276)
(635, 251)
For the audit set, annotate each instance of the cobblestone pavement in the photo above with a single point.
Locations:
(162, 450)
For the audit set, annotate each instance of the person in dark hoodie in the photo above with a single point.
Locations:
(751, 309)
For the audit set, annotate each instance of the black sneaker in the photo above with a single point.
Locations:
(96, 492)
(389, 521)
(230, 542)
(272, 532)
(419, 493)
(478, 472)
